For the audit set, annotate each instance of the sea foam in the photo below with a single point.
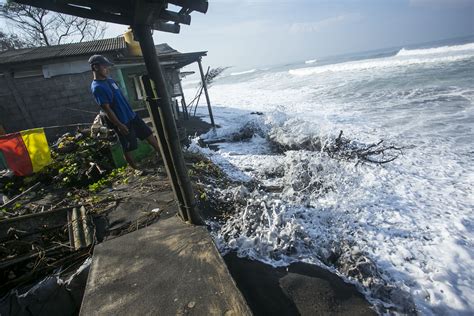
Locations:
(436, 50)
(409, 221)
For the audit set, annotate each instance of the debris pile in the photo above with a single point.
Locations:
(46, 219)
(78, 162)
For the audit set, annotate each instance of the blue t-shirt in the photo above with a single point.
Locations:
(108, 92)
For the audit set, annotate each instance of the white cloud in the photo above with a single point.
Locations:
(310, 27)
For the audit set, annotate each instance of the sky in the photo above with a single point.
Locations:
(250, 33)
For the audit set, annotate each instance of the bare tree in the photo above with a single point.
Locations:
(10, 41)
(40, 27)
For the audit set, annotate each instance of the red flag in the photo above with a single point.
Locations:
(16, 154)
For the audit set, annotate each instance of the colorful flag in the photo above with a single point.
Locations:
(25, 152)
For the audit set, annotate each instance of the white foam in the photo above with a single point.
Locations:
(412, 217)
(436, 50)
(243, 72)
(311, 61)
(390, 62)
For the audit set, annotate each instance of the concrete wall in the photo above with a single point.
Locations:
(39, 102)
(66, 99)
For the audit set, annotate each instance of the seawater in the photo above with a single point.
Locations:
(411, 218)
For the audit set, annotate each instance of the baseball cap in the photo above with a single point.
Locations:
(99, 60)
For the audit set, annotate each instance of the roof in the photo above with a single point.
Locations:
(109, 45)
(154, 13)
(164, 49)
(65, 50)
(175, 60)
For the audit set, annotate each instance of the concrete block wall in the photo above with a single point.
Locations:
(55, 101)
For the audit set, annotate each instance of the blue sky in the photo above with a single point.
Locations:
(249, 33)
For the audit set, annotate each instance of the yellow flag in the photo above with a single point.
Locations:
(38, 148)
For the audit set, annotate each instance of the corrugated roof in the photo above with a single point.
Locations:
(73, 49)
(164, 49)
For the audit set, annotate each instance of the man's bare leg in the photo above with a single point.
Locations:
(128, 157)
(153, 142)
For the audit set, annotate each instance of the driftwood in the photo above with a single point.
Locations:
(345, 149)
(377, 153)
(38, 243)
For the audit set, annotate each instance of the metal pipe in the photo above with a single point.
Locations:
(155, 72)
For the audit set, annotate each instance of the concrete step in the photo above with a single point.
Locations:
(168, 268)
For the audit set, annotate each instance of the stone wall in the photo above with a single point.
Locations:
(39, 102)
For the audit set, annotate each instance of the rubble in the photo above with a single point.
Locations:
(48, 220)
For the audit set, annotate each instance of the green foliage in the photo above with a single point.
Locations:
(72, 159)
(103, 182)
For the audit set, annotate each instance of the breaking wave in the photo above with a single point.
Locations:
(436, 50)
(391, 62)
(402, 228)
(243, 72)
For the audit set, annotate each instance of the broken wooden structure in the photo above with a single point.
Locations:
(145, 16)
(36, 244)
(27, 76)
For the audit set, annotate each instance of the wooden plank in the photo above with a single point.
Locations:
(175, 17)
(204, 85)
(167, 27)
(171, 137)
(195, 5)
(33, 223)
(94, 14)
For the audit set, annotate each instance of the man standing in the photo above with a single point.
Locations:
(126, 123)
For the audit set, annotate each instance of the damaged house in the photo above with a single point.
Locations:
(50, 86)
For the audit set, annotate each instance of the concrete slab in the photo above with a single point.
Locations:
(169, 268)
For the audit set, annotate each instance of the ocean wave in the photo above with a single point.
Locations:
(436, 50)
(243, 72)
(375, 63)
(311, 61)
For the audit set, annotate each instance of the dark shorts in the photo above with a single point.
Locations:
(136, 129)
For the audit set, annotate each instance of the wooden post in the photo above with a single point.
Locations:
(204, 85)
(171, 138)
(152, 104)
(183, 101)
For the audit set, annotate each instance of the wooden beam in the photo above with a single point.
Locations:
(183, 101)
(146, 11)
(175, 17)
(109, 6)
(155, 72)
(153, 105)
(127, 12)
(167, 27)
(204, 85)
(79, 11)
(195, 5)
